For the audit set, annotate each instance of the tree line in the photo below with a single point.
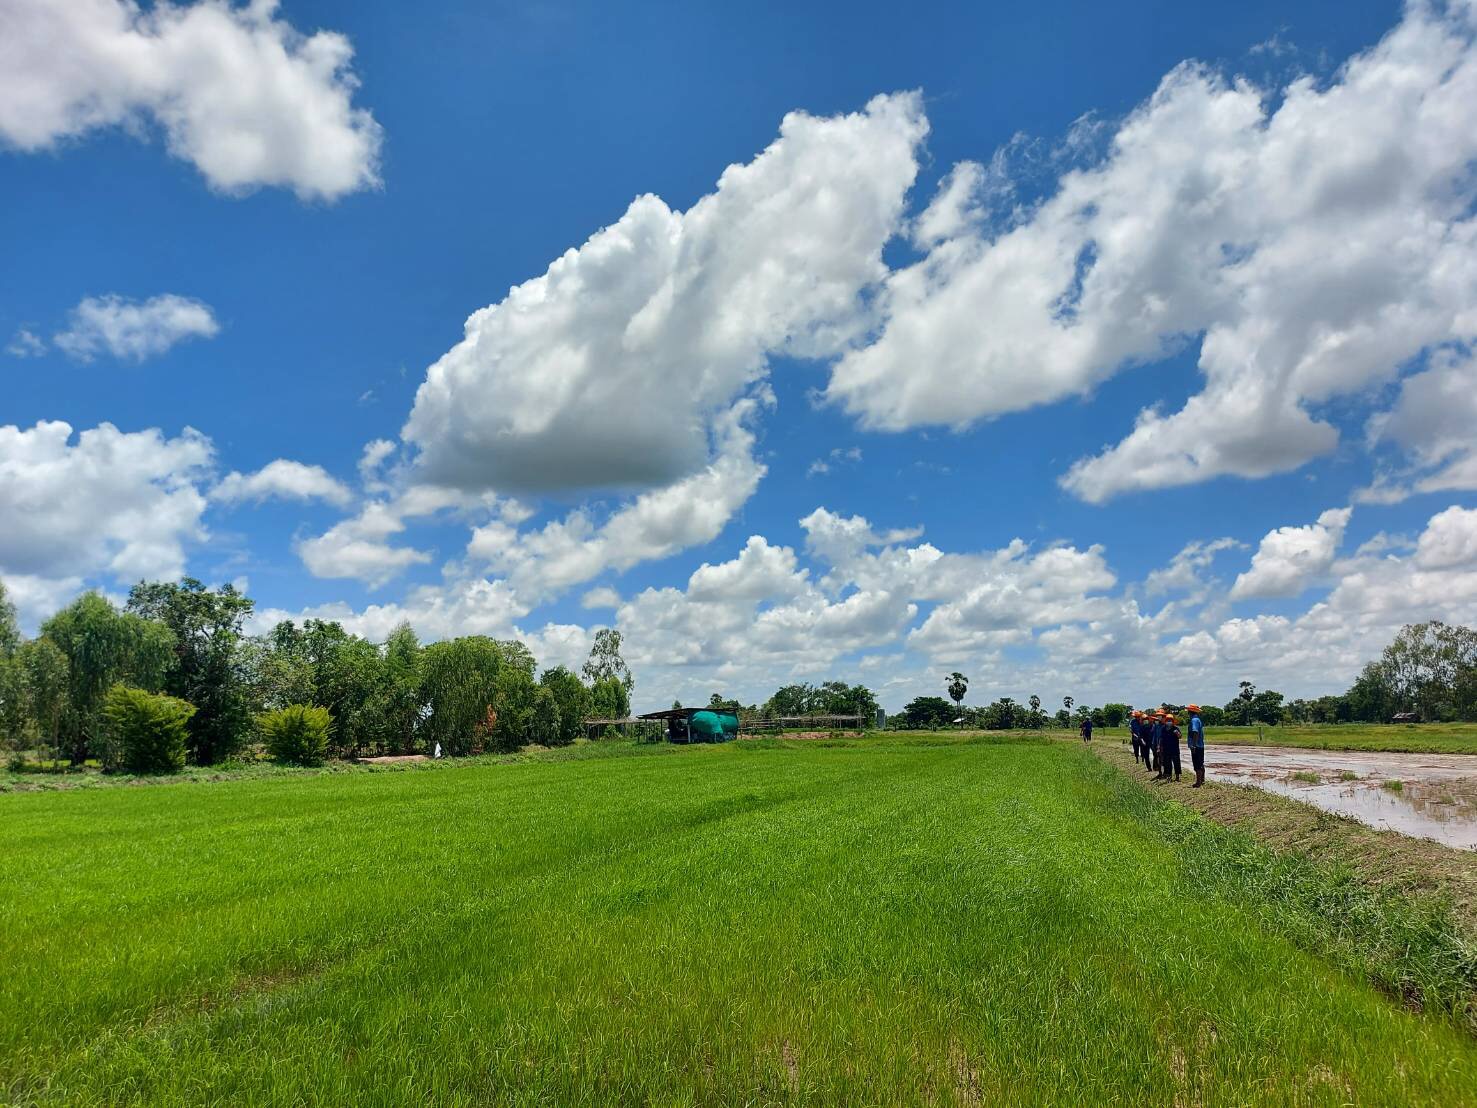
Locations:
(833, 698)
(1428, 671)
(174, 671)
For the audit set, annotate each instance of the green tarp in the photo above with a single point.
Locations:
(714, 727)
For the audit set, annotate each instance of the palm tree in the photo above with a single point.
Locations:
(957, 686)
(1035, 703)
(1067, 703)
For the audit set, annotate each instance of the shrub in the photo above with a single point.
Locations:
(297, 734)
(145, 732)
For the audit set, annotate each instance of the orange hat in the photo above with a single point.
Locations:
(1169, 718)
(1138, 713)
(1192, 707)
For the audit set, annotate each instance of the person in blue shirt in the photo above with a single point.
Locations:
(1134, 729)
(1086, 729)
(1197, 744)
(1169, 749)
(1156, 724)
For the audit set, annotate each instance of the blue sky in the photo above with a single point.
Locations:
(1269, 247)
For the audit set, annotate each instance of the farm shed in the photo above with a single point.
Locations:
(697, 725)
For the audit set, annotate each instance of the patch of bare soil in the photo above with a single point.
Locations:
(392, 759)
(1384, 859)
(816, 735)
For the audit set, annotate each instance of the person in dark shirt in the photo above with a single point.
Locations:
(1169, 748)
(1086, 729)
(1134, 727)
(1197, 744)
(1155, 724)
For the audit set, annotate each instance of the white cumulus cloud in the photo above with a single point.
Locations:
(236, 91)
(1312, 238)
(133, 329)
(282, 479)
(608, 370)
(111, 502)
(1289, 559)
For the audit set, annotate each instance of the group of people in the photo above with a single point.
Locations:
(1155, 735)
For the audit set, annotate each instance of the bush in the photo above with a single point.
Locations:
(297, 734)
(145, 732)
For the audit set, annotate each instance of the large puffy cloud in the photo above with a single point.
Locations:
(1315, 240)
(1289, 559)
(282, 479)
(126, 504)
(607, 371)
(237, 91)
(1449, 541)
(656, 524)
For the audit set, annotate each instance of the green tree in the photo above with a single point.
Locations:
(791, 700)
(609, 699)
(928, 712)
(278, 669)
(1114, 714)
(144, 732)
(1266, 707)
(1067, 703)
(1035, 703)
(401, 701)
(103, 647)
(10, 632)
(16, 725)
(516, 694)
(44, 667)
(605, 661)
(460, 685)
(208, 670)
(956, 686)
(572, 699)
(1238, 710)
(544, 722)
(348, 680)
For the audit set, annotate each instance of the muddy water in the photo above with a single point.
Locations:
(1436, 798)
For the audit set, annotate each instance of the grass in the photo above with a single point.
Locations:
(257, 766)
(1394, 786)
(922, 919)
(1414, 738)
(1307, 777)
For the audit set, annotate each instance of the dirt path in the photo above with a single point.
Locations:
(1386, 859)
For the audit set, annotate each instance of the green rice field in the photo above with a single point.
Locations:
(905, 919)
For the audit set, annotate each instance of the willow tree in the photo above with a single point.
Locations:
(103, 647)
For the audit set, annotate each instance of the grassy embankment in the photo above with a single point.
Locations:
(893, 920)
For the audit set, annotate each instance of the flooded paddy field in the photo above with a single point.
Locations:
(1429, 796)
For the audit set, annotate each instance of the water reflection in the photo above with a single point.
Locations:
(1434, 799)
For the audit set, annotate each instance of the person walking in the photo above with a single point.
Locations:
(1197, 744)
(1086, 729)
(1134, 727)
(1152, 760)
(1169, 753)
